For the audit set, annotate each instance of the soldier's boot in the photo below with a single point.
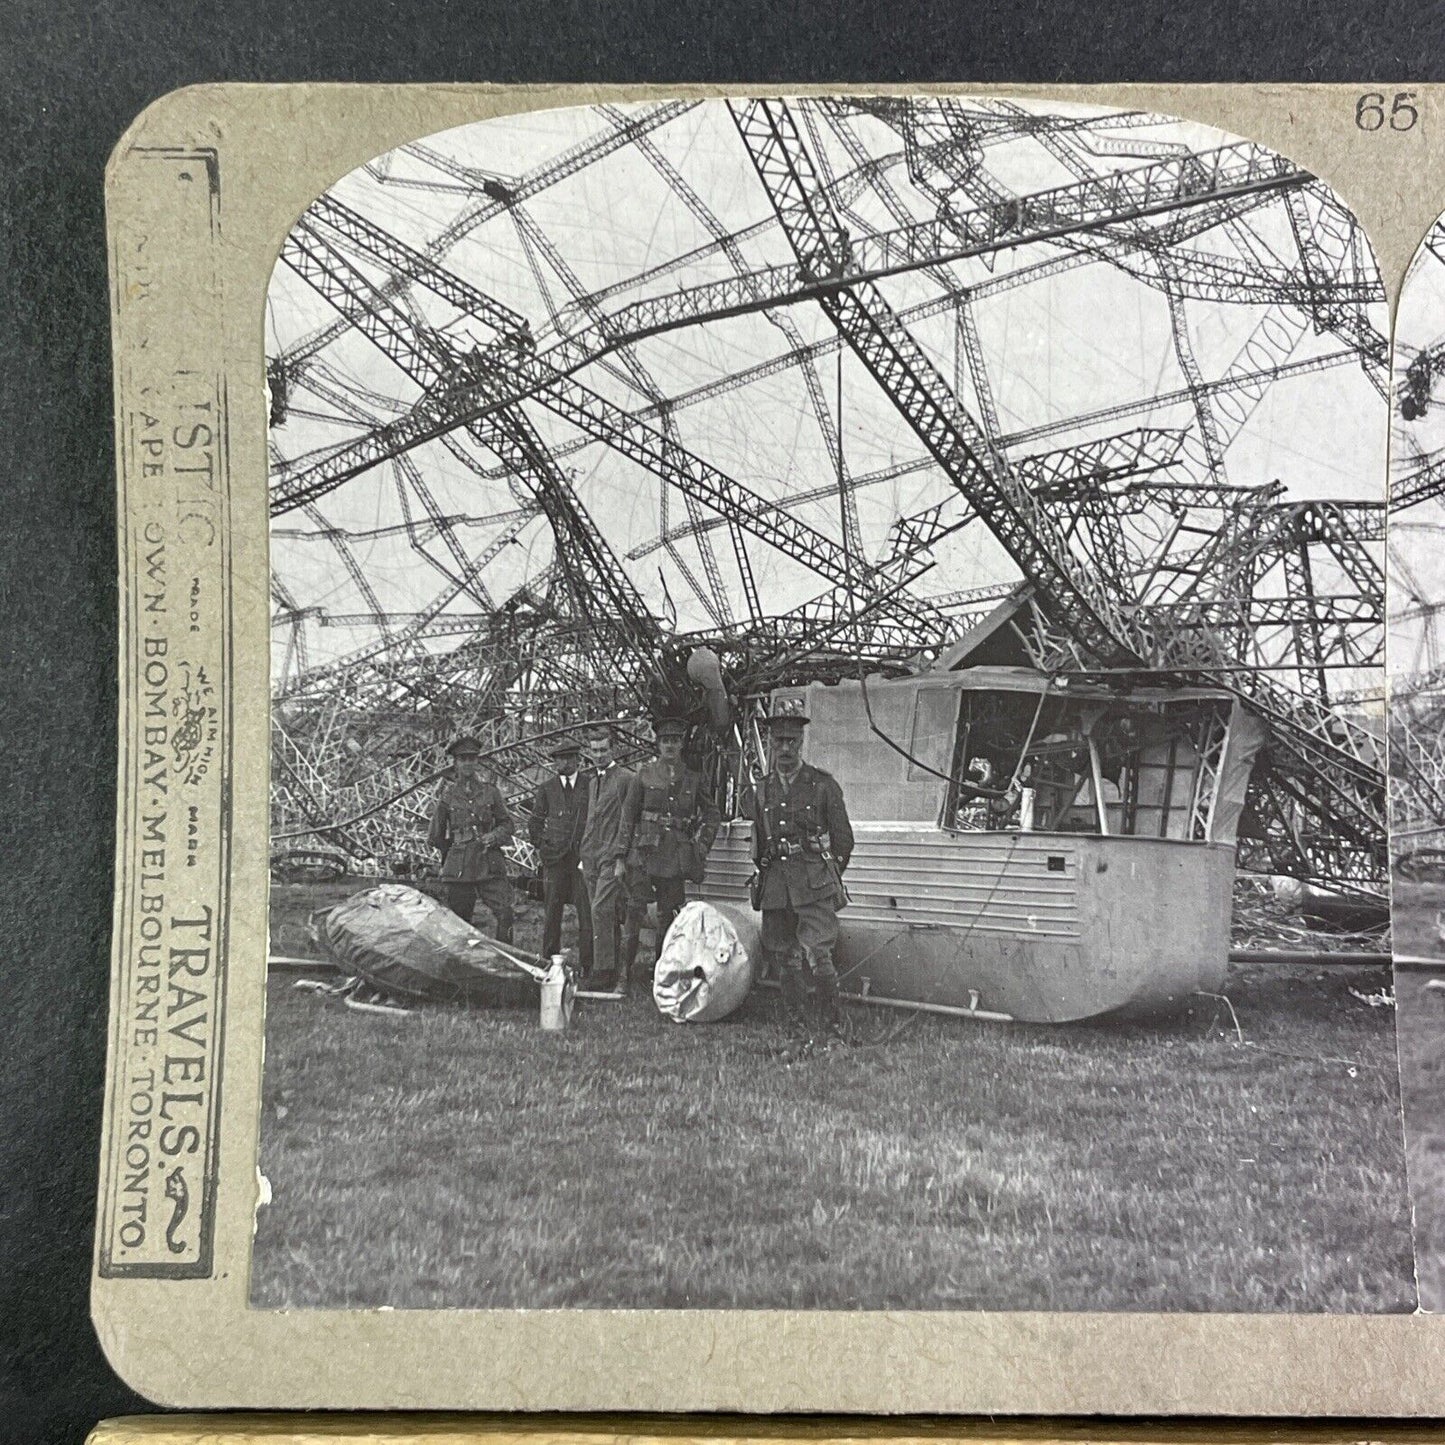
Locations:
(607, 980)
(631, 940)
(596, 982)
(830, 1008)
(795, 1004)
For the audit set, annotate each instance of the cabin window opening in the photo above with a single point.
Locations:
(1086, 765)
(1058, 772)
(1155, 766)
(992, 732)
(955, 800)
(1176, 766)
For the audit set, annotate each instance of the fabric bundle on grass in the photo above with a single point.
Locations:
(705, 971)
(408, 944)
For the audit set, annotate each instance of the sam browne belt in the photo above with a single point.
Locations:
(780, 848)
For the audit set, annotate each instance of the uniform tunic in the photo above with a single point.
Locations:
(470, 824)
(668, 825)
(808, 820)
(668, 821)
(802, 841)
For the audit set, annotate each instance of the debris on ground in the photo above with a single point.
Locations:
(1268, 918)
(1385, 998)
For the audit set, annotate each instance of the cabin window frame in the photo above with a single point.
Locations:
(1204, 729)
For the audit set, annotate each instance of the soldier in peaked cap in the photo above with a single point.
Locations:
(559, 818)
(668, 825)
(802, 841)
(470, 825)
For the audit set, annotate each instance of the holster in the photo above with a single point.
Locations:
(755, 891)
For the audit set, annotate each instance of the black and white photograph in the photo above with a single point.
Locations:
(1417, 741)
(828, 719)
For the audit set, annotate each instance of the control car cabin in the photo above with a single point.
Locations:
(1026, 845)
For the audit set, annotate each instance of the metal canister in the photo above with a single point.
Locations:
(557, 995)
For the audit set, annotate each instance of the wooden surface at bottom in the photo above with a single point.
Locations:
(238, 1428)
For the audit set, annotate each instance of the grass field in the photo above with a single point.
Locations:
(460, 1158)
(1422, 1077)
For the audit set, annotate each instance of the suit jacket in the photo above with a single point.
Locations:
(602, 843)
(559, 818)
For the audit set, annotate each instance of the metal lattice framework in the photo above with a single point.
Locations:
(469, 365)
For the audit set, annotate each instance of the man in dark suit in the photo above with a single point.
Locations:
(559, 818)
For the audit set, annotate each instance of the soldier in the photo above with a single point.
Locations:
(559, 815)
(603, 855)
(802, 841)
(668, 825)
(470, 824)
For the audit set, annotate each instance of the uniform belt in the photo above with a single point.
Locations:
(786, 848)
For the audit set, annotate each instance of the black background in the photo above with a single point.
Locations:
(70, 81)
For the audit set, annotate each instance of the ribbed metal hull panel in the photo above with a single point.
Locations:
(1043, 927)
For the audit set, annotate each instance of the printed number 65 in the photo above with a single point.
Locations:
(1370, 111)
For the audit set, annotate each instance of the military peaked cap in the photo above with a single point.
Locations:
(788, 710)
